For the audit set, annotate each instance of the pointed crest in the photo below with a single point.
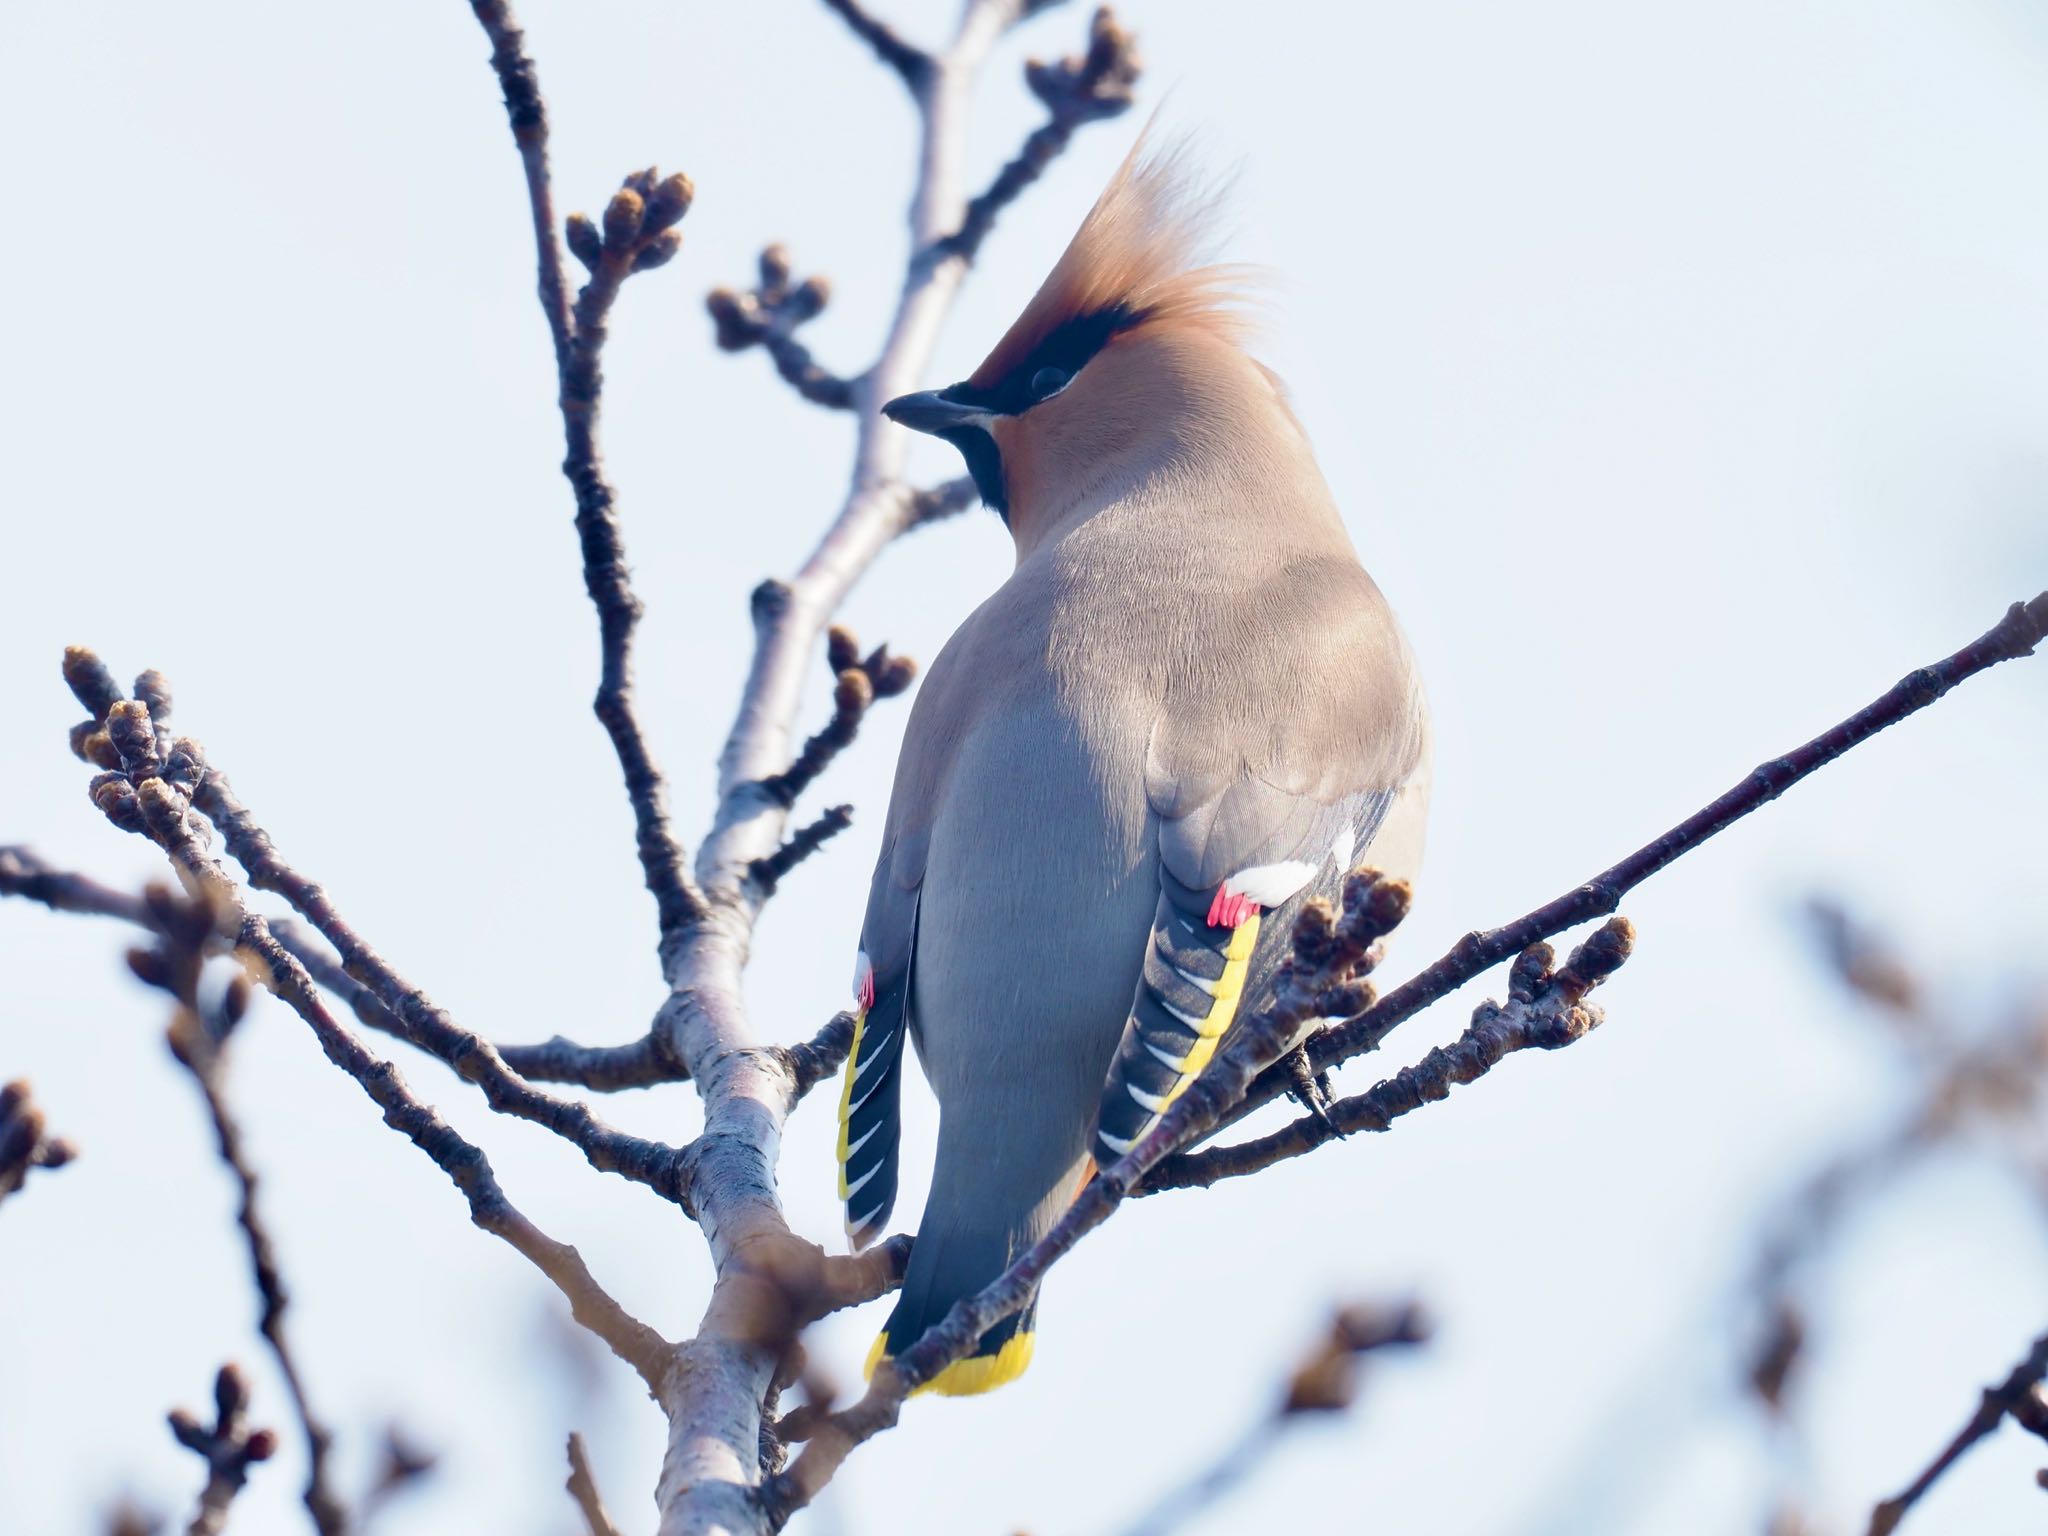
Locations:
(1136, 260)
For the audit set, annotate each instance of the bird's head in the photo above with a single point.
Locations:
(1101, 366)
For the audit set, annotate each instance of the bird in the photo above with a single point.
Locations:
(1187, 711)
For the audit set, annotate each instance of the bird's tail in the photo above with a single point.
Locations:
(948, 1264)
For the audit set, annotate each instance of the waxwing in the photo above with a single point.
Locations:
(1186, 711)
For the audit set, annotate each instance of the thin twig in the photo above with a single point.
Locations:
(199, 1035)
(768, 315)
(583, 1489)
(1325, 1381)
(151, 795)
(942, 501)
(802, 843)
(2018, 1397)
(857, 683)
(421, 1023)
(1543, 1012)
(23, 873)
(406, 1464)
(822, 1055)
(638, 234)
(1089, 87)
(228, 1446)
(25, 1145)
(910, 62)
(1977, 1084)
(640, 1063)
(2012, 637)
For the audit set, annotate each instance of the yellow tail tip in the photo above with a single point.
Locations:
(972, 1376)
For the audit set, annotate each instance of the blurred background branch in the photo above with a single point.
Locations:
(1326, 1381)
(25, 1144)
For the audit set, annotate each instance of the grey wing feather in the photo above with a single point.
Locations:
(1197, 979)
(871, 1095)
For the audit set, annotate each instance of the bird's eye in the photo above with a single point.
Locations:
(1048, 381)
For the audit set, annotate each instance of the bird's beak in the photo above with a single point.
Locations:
(931, 411)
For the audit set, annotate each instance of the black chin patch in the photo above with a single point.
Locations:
(984, 463)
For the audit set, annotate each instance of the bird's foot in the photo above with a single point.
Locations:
(1311, 1089)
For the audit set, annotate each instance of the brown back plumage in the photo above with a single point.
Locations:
(1139, 251)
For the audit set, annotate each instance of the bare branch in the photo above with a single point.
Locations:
(641, 1063)
(1544, 1011)
(23, 873)
(583, 1489)
(2019, 1397)
(228, 1447)
(2012, 637)
(151, 794)
(910, 62)
(414, 1017)
(1978, 1085)
(638, 235)
(942, 501)
(1325, 1381)
(24, 1143)
(768, 316)
(405, 1465)
(804, 842)
(1086, 88)
(822, 1055)
(198, 1037)
(859, 681)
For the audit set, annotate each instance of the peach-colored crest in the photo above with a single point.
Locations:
(1139, 249)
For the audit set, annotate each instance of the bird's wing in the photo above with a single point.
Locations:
(871, 1096)
(1268, 782)
(1232, 874)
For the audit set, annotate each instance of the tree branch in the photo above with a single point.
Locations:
(228, 1447)
(410, 1014)
(1086, 88)
(768, 316)
(942, 501)
(802, 843)
(24, 873)
(24, 1143)
(641, 1063)
(1325, 1381)
(583, 1489)
(857, 683)
(151, 794)
(911, 63)
(198, 1038)
(2018, 1397)
(822, 1055)
(638, 235)
(1544, 1011)
(2012, 637)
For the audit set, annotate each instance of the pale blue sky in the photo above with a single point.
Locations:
(1683, 371)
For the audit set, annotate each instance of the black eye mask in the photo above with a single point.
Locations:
(1051, 365)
